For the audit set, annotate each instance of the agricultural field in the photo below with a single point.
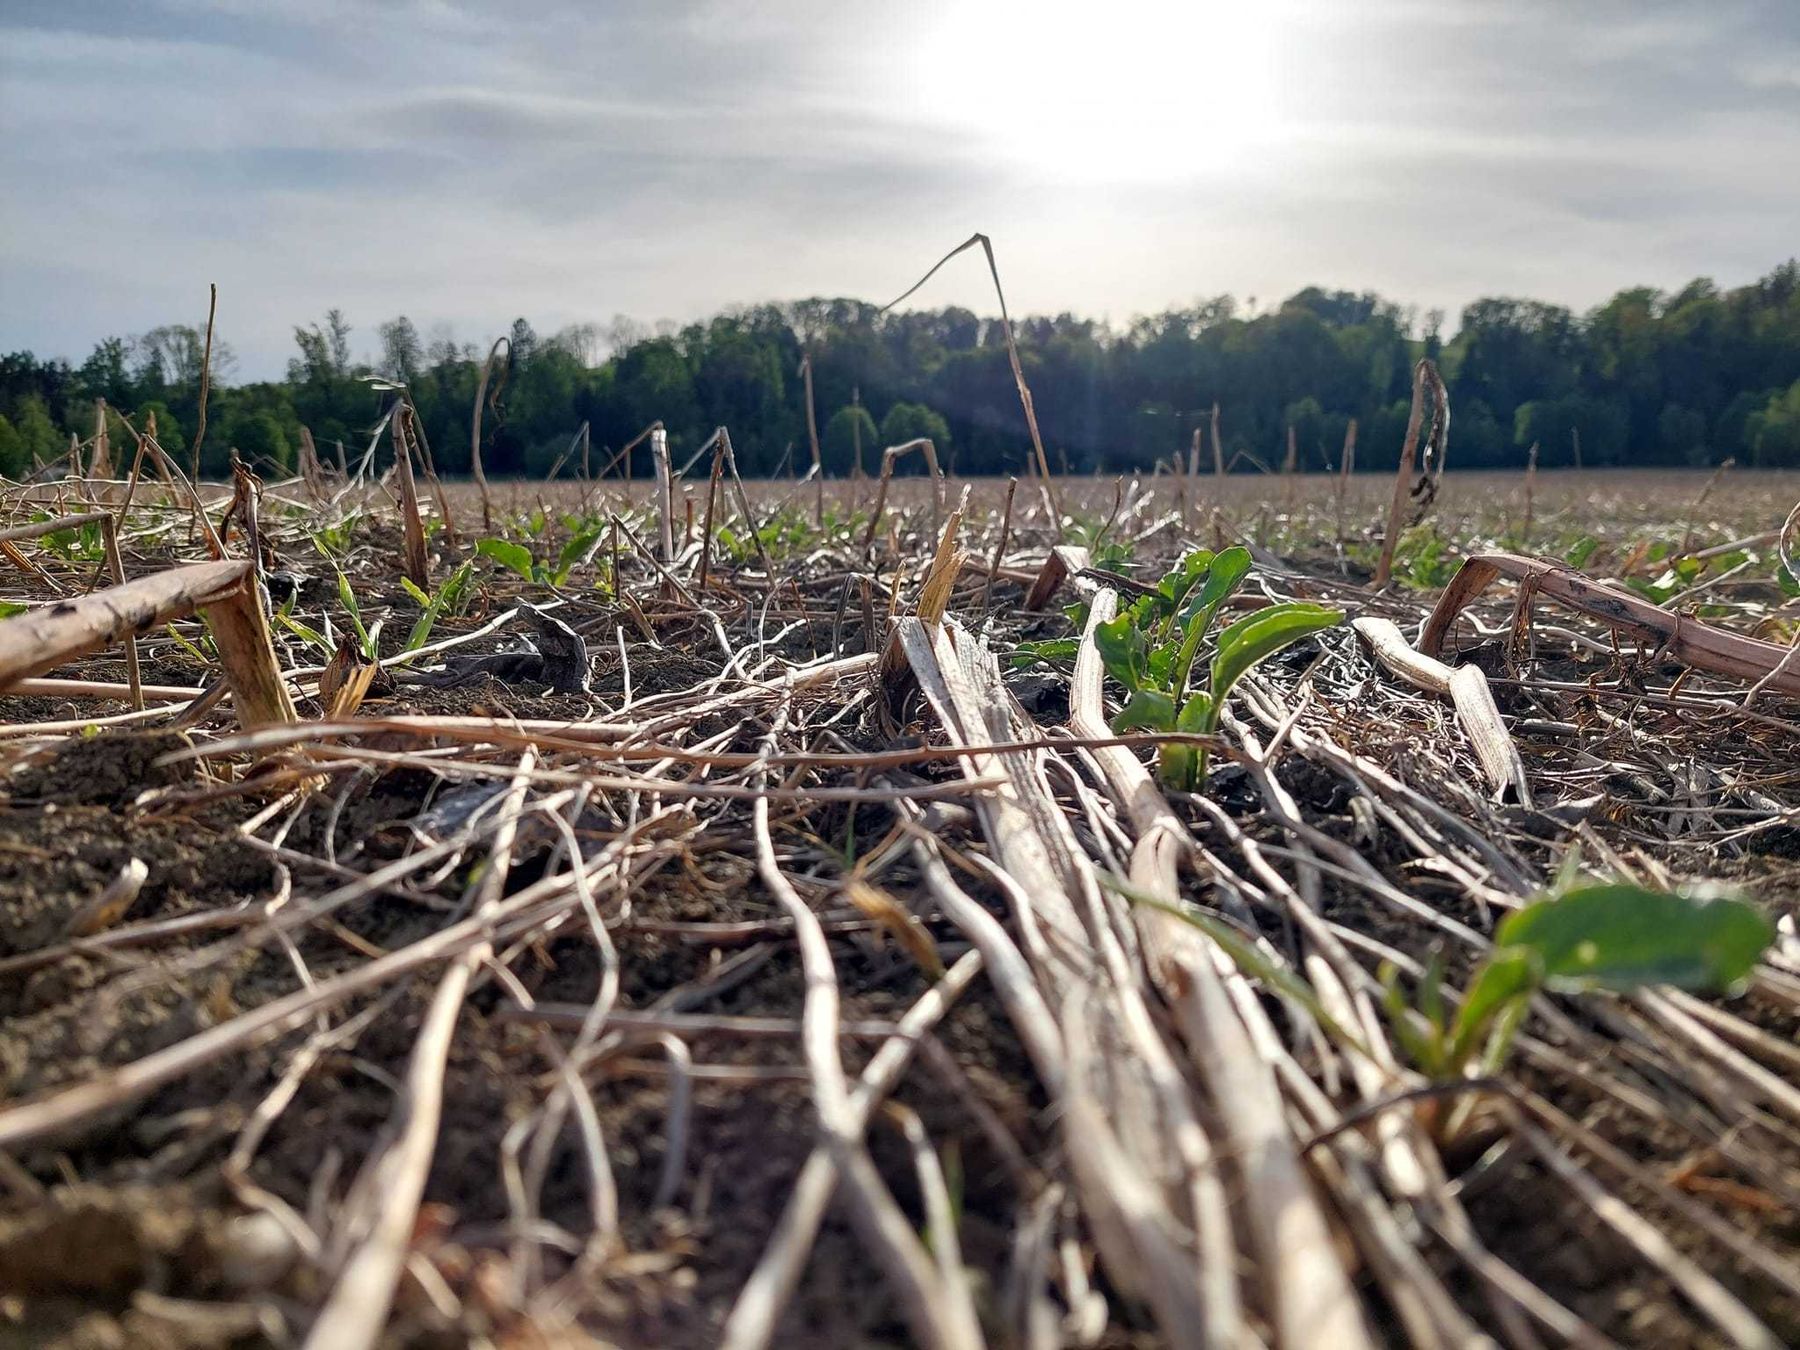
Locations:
(1078, 912)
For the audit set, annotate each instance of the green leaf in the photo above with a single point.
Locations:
(1124, 650)
(515, 557)
(300, 630)
(1183, 577)
(1160, 667)
(573, 551)
(1053, 650)
(1197, 714)
(411, 589)
(1260, 635)
(448, 594)
(1509, 974)
(187, 646)
(347, 598)
(1790, 585)
(1617, 935)
(8, 608)
(1582, 551)
(1146, 710)
(1226, 574)
(1419, 1041)
(1431, 989)
(1183, 767)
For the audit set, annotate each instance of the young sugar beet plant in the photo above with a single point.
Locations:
(1152, 647)
(1585, 936)
(1582, 935)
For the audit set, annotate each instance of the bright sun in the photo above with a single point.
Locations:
(1107, 90)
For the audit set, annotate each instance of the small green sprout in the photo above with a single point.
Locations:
(333, 541)
(517, 558)
(1151, 649)
(1586, 935)
(367, 639)
(449, 596)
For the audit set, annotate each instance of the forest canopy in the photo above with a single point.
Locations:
(1649, 378)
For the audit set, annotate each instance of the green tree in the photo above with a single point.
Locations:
(106, 373)
(37, 433)
(849, 429)
(168, 430)
(402, 354)
(13, 458)
(913, 422)
(261, 441)
(1772, 433)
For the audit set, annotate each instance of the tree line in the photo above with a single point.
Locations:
(1649, 378)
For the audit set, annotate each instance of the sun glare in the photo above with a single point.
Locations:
(1116, 91)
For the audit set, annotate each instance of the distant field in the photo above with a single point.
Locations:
(1619, 499)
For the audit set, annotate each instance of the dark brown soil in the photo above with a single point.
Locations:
(126, 1256)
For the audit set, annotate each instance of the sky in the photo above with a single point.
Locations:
(574, 161)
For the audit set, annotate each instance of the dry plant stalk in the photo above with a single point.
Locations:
(1308, 1288)
(1530, 491)
(1045, 482)
(1467, 687)
(1063, 562)
(147, 444)
(987, 589)
(212, 309)
(481, 395)
(225, 595)
(312, 473)
(706, 528)
(888, 457)
(111, 904)
(812, 440)
(946, 567)
(1677, 636)
(1218, 446)
(1346, 467)
(100, 466)
(1426, 382)
(665, 493)
(416, 561)
(416, 430)
(1712, 481)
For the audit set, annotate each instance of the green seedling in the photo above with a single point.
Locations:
(202, 651)
(449, 596)
(517, 558)
(787, 533)
(1425, 559)
(1586, 935)
(367, 639)
(1158, 609)
(333, 541)
(83, 543)
(1580, 553)
(1152, 646)
(1108, 555)
(321, 642)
